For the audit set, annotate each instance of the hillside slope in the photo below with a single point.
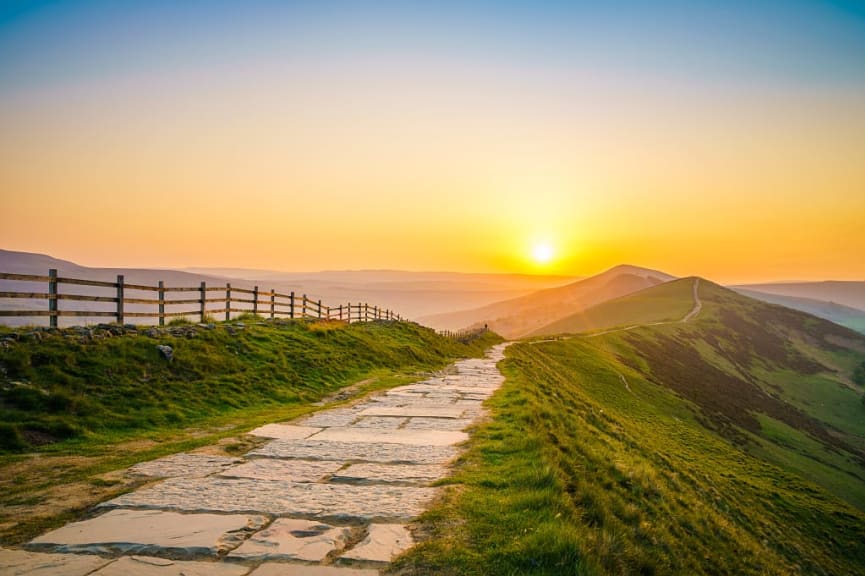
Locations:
(731, 444)
(668, 302)
(852, 318)
(518, 317)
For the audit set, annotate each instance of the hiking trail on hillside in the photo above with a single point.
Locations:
(330, 494)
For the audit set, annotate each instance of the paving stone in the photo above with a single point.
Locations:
(147, 566)
(437, 424)
(336, 417)
(284, 431)
(341, 502)
(389, 436)
(276, 569)
(152, 532)
(183, 464)
(412, 411)
(356, 451)
(383, 542)
(289, 539)
(379, 422)
(21, 562)
(368, 473)
(292, 470)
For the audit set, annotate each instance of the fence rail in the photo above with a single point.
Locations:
(466, 334)
(267, 303)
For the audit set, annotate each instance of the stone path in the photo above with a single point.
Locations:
(329, 495)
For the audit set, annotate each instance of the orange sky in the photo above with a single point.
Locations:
(411, 153)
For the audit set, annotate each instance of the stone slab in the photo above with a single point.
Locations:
(183, 464)
(147, 566)
(411, 411)
(275, 569)
(23, 562)
(379, 422)
(291, 470)
(369, 473)
(285, 431)
(335, 417)
(356, 451)
(152, 532)
(340, 502)
(382, 543)
(451, 424)
(290, 539)
(390, 436)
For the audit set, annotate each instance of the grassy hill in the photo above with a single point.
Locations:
(731, 444)
(518, 317)
(666, 302)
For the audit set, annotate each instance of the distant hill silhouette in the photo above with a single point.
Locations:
(847, 293)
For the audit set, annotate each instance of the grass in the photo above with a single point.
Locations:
(663, 303)
(658, 451)
(76, 409)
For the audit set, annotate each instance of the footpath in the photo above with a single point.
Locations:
(328, 495)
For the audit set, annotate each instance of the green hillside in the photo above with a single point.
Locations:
(93, 383)
(663, 303)
(731, 444)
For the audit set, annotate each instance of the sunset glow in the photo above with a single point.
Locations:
(309, 136)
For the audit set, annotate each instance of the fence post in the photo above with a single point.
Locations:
(366, 311)
(272, 303)
(291, 305)
(120, 298)
(348, 313)
(319, 309)
(340, 311)
(161, 303)
(52, 298)
(227, 301)
(303, 310)
(255, 301)
(203, 309)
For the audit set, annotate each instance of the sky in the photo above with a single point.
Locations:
(720, 139)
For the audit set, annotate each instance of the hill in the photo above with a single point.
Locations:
(668, 302)
(852, 318)
(847, 293)
(76, 404)
(518, 317)
(730, 444)
(412, 294)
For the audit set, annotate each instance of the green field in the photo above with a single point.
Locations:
(675, 449)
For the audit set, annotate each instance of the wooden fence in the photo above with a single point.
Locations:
(238, 300)
(466, 334)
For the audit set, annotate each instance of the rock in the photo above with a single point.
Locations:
(166, 351)
(184, 465)
(392, 436)
(22, 562)
(153, 333)
(239, 325)
(356, 451)
(285, 431)
(372, 473)
(147, 566)
(337, 502)
(130, 327)
(289, 539)
(152, 532)
(292, 470)
(382, 543)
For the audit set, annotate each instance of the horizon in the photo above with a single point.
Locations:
(497, 138)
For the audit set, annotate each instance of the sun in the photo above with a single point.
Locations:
(542, 252)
